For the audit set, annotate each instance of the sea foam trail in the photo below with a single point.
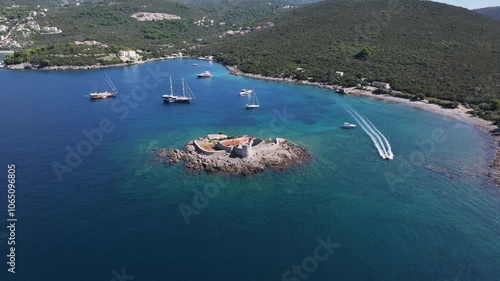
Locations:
(387, 144)
(369, 133)
(379, 140)
(372, 130)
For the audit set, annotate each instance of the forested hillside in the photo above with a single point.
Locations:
(110, 22)
(424, 47)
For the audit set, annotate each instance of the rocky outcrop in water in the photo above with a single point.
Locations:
(276, 155)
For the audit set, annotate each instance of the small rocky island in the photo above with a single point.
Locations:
(244, 155)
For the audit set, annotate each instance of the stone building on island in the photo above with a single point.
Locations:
(243, 147)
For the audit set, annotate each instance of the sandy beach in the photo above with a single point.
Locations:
(459, 113)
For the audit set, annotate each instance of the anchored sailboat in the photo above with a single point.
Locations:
(187, 94)
(106, 94)
(255, 101)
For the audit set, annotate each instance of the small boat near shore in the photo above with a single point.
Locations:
(348, 125)
(106, 94)
(245, 92)
(205, 74)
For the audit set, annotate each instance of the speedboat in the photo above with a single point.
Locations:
(245, 92)
(347, 125)
(205, 74)
(195, 64)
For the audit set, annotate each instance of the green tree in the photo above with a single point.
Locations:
(364, 53)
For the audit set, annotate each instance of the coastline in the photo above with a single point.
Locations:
(457, 113)
(29, 66)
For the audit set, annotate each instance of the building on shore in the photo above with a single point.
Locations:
(381, 85)
(126, 55)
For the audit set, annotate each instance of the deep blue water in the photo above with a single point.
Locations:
(435, 219)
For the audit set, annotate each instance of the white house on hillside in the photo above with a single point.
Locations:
(127, 55)
(381, 85)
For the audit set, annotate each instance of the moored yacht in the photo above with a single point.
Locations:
(205, 74)
(245, 92)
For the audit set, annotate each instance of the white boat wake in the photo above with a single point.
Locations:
(379, 140)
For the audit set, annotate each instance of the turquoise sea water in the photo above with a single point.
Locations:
(430, 218)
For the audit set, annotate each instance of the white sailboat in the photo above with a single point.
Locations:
(187, 94)
(166, 98)
(105, 94)
(255, 102)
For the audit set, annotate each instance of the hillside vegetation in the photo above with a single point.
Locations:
(424, 47)
(110, 22)
(492, 12)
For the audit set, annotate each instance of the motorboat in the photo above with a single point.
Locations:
(245, 92)
(205, 74)
(347, 125)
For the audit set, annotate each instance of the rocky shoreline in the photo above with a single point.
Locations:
(277, 155)
(458, 114)
(74, 67)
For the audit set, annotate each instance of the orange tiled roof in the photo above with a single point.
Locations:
(235, 142)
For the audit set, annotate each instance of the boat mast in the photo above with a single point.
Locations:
(171, 89)
(255, 97)
(183, 88)
(110, 83)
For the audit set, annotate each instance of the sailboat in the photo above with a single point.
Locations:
(187, 94)
(255, 101)
(106, 94)
(166, 98)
